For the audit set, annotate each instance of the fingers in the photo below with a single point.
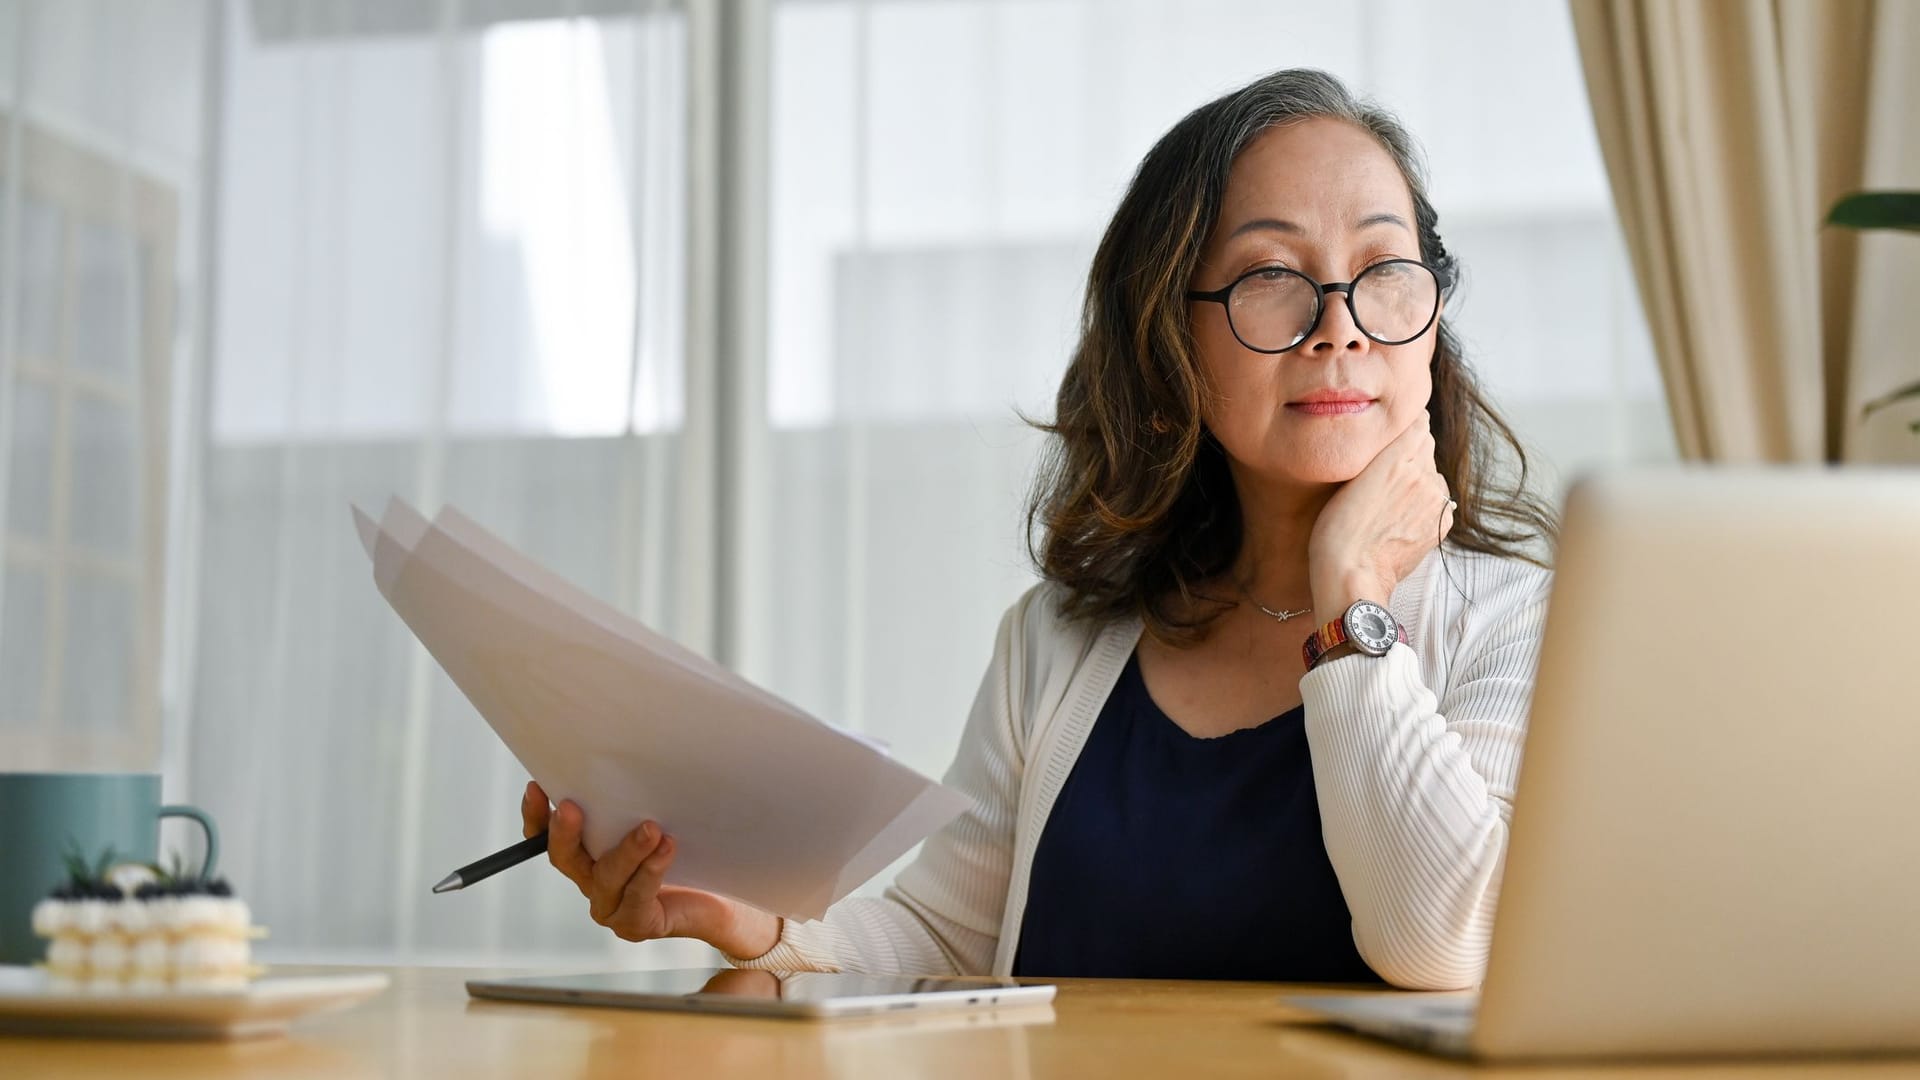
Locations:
(1419, 439)
(637, 917)
(534, 811)
(1414, 445)
(1421, 424)
(645, 883)
(622, 887)
(1385, 520)
(616, 868)
(564, 849)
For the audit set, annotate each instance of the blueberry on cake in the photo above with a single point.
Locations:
(133, 927)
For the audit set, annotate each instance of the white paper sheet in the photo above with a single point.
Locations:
(767, 804)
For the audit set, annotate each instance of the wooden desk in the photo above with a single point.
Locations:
(425, 1025)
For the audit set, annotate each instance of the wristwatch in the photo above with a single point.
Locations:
(1366, 625)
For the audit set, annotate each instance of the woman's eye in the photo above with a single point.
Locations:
(1274, 272)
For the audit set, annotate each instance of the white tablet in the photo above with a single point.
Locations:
(764, 993)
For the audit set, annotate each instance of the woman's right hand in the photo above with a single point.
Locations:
(626, 891)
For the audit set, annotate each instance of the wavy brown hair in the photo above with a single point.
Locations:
(1134, 506)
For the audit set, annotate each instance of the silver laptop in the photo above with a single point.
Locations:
(1716, 836)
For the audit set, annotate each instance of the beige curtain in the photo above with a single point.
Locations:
(1729, 127)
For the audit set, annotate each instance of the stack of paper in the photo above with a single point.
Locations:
(766, 804)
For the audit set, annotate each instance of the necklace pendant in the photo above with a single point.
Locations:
(1281, 616)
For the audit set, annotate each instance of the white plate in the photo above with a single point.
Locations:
(265, 1007)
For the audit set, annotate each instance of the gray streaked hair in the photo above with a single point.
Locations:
(1296, 94)
(1134, 507)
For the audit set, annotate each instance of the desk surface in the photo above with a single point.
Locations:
(425, 1025)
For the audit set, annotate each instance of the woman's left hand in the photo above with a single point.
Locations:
(1379, 525)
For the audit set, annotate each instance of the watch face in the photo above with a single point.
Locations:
(1370, 627)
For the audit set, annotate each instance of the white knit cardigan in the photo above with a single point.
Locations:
(1415, 755)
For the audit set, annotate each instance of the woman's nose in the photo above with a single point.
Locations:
(1337, 330)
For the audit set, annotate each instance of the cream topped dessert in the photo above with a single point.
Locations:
(131, 927)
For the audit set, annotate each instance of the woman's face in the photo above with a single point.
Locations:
(1324, 198)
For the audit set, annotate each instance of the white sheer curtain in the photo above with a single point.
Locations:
(325, 250)
(444, 258)
(940, 174)
(449, 268)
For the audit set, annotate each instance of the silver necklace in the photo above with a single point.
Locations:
(1282, 616)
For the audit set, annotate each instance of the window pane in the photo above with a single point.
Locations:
(97, 655)
(106, 301)
(30, 485)
(23, 649)
(106, 485)
(41, 267)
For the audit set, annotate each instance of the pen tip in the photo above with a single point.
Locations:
(448, 883)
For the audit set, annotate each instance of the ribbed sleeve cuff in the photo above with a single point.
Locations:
(1365, 686)
(790, 953)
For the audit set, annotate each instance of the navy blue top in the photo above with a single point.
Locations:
(1173, 857)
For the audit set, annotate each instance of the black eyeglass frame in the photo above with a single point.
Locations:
(1345, 288)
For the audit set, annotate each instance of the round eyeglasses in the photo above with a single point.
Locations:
(1272, 309)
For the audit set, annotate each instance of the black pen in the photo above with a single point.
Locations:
(488, 865)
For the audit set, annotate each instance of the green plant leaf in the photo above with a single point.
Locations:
(1884, 400)
(76, 861)
(1878, 210)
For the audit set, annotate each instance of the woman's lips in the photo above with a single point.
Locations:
(1329, 408)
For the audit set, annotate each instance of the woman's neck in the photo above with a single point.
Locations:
(1276, 524)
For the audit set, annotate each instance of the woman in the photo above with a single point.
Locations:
(1179, 768)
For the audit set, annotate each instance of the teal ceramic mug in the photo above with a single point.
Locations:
(43, 816)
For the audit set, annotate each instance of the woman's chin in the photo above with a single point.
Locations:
(1296, 476)
(1326, 476)
(1318, 469)
(1306, 463)
(1321, 460)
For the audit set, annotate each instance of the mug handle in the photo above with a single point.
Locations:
(206, 825)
